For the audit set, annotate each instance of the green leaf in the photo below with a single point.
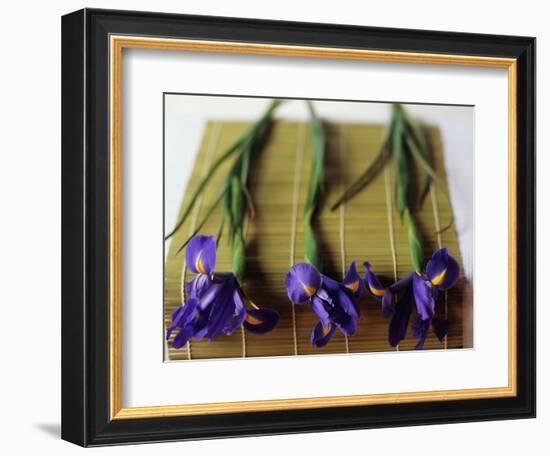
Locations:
(242, 167)
(227, 205)
(415, 129)
(373, 168)
(237, 206)
(419, 158)
(203, 183)
(402, 179)
(249, 201)
(363, 180)
(242, 142)
(222, 224)
(417, 133)
(317, 175)
(238, 255)
(312, 253)
(415, 245)
(400, 163)
(203, 221)
(315, 189)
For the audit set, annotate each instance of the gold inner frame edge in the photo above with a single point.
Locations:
(116, 45)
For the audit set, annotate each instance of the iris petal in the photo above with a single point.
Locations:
(239, 316)
(440, 327)
(403, 283)
(373, 283)
(437, 266)
(190, 285)
(345, 302)
(182, 338)
(260, 321)
(302, 282)
(200, 324)
(323, 294)
(420, 332)
(181, 316)
(339, 296)
(175, 321)
(210, 295)
(451, 276)
(442, 270)
(222, 310)
(352, 281)
(318, 307)
(387, 301)
(424, 297)
(198, 285)
(400, 319)
(320, 335)
(200, 255)
(348, 325)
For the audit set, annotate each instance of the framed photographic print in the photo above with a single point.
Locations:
(278, 227)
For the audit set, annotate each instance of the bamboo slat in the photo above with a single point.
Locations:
(365, 228)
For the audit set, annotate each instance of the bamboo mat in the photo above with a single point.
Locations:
(366, 228)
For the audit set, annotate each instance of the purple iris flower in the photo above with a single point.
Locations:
(215, 302)
(333, 302)
(420, 289)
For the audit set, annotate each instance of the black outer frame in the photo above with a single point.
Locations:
(85, 227)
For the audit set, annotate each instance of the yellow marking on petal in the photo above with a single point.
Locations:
(327, 329)
(198, 265)
(252, 320)
(439, 278)
(254, 305)
(354, 286)
(376, 291)
(309, 290)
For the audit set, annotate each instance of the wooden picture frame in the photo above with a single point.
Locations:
(92, 45)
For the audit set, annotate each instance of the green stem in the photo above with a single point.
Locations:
(315, 189)
(400, 162)
(364, 179)
(415, 244)
(238, 251)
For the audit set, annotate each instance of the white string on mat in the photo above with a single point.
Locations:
(435, 208)
(296, 195)
(342, 213)
(212, 145)
(389, 212)
(243, 332)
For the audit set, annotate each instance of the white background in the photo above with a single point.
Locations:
(148, 73)
(30, 145)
